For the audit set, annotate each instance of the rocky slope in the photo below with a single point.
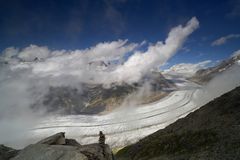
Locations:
(211, 132)
(205, 75)
(57, 147)
(93, 98)
(7, 152)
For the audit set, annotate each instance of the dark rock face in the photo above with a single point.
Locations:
(212, 132)
(96, 152)
(57, 147)
(7, 152)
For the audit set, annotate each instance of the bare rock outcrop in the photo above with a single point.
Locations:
(56, 139)
(7, 152)
(50, 152)
(57, 147)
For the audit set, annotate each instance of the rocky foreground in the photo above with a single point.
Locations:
(57, 147)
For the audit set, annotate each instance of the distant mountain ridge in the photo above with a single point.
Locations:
(95, 98)
(203, 76)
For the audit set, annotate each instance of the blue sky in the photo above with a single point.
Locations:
(70, 24)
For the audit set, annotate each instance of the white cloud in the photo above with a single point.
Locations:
(75, 64)
(33, 51)
(23, 80)
(158, 54)
(236, 53)
(220, 84)
(110, 51)
(223, 40)
(26, 80)
(187, 69)
(9, 53)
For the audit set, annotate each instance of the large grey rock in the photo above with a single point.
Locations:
(50, 152)
(56, 147)
(56, 139)
(64, 152)
(97, 152)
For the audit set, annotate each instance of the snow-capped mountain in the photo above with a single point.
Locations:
(203, 76)
(96, 98)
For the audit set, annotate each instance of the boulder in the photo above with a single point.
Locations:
(56, 147)
(97, 152)
(72, 142)
(65, 152)
(50, 152)
(56, 139)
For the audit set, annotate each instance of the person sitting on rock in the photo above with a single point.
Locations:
(101, 142)
(101, 138)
